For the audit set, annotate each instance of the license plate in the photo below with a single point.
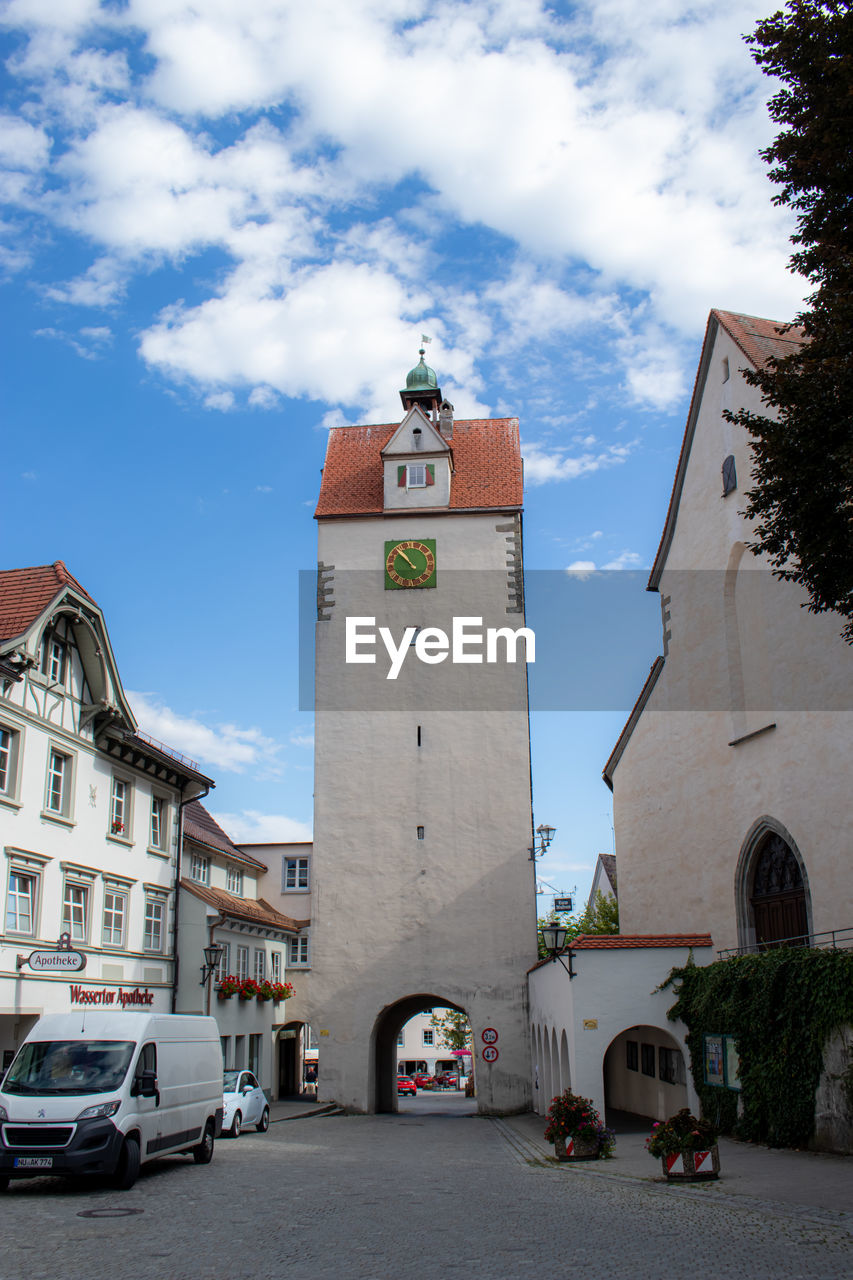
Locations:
(33, 1162)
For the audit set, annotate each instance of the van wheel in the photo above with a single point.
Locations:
(203, 1153)
(128, 1165)
(236, 1125)
(264, 1122)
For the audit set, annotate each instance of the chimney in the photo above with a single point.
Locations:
(445, 419)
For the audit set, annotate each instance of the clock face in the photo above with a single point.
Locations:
(410, 564)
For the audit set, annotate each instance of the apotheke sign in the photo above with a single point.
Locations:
(62, 960)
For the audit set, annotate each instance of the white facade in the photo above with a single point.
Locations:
(89, 814)
(222, 901)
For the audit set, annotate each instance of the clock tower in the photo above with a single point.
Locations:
(422, 891)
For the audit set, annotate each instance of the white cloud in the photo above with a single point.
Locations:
(581, 568)
(542, 465)
(250, 826)
(224, 746)
(302, 739)
(625, 560)
(88, 342)
(221, 400)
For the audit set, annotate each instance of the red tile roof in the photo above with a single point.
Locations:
(760, 340)
(486, 461)
(26, 593)
(201, 827)
(254, 910)
(613, 941)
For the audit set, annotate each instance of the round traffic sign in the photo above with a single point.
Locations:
(490, 1036)
(490, 1053)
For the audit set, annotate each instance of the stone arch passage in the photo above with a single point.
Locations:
(290, 1051)
(645, 1073)
(389, 1023)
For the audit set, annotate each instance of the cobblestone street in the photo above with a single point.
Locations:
(414, 1195)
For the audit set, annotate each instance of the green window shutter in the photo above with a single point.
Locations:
(401, 477)
(430, 474)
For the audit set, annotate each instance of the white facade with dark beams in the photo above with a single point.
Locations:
(220, 904)
(89, 816)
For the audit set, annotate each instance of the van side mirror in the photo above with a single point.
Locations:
(145, 1086)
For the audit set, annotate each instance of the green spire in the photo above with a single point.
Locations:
(421, 378)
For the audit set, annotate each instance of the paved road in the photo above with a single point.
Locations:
(416, 1196)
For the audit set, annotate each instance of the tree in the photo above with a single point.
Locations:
(802, 495)
(602, 916)
(454, 1031)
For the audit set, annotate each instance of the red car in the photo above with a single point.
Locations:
(405, 1084)
(422, 1081)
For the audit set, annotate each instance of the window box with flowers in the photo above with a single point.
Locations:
(687, 1147)
(576, 1129)
(275, 991)
(248, 989)
(228, 987)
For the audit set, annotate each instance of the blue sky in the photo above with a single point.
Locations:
(225, 228)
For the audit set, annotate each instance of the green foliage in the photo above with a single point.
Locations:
(802, 493)
(454, 1031)
(781, 1006)
(601, 917)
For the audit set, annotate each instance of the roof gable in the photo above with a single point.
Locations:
(402, 443)
(25, 595)
(487, 468)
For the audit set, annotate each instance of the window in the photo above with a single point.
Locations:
(298, 951)
(9, 751)
(224, 966)
(53, 659)
(120, 808)
(153, 935)
(146, 1062)
(242, 963)
(729, 475)
(21, 903)
(234, 882)
(295, 874)
(275, 966)
(260, 964)
(632, 1055)
(420, 833)
(157, 834)
(671, 1066)
(255, 1042)
(429, 1037)
(115, 910)
(400, 1039)
(59, 768)
(416, 477)
(647, 1059)
(200, 868)
(75, 910)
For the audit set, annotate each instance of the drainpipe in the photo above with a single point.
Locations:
(178, 861)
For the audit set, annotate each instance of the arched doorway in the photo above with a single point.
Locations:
(772, 892)
(386, 1032)
(645, 1074)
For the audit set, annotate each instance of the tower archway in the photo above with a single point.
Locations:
(386, 1030)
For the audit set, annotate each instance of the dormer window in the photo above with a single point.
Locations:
(415, 475)
(53, 659)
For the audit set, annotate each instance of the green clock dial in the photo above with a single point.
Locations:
(410, 563)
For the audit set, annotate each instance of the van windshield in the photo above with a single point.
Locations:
(64, 1067)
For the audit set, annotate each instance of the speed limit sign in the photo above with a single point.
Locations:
(490, 1053)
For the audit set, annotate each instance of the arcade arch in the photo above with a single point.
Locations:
(645, 1073)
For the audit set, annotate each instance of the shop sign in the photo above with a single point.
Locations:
(62, 959)
(107, 998)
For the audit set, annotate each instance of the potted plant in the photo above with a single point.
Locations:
(228, 987)
(247, 989)
(576, 1129)
(687, 1147)
(264, 991)
(281, 991)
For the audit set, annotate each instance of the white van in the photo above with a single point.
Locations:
(102, 1093)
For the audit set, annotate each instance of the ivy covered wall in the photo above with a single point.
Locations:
(782, 1007)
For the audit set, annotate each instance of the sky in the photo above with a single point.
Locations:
(225, 228)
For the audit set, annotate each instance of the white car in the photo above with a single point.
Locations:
(244, 1102)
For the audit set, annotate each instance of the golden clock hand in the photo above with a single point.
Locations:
(406, 558)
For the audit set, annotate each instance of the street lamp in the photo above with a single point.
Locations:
(212, 956)
(546, 835)
(554, 941)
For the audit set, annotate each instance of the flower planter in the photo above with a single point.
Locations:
(573, 1148)
(224, 995)
(692, 1166)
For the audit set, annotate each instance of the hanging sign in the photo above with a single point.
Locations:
(61, 960)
